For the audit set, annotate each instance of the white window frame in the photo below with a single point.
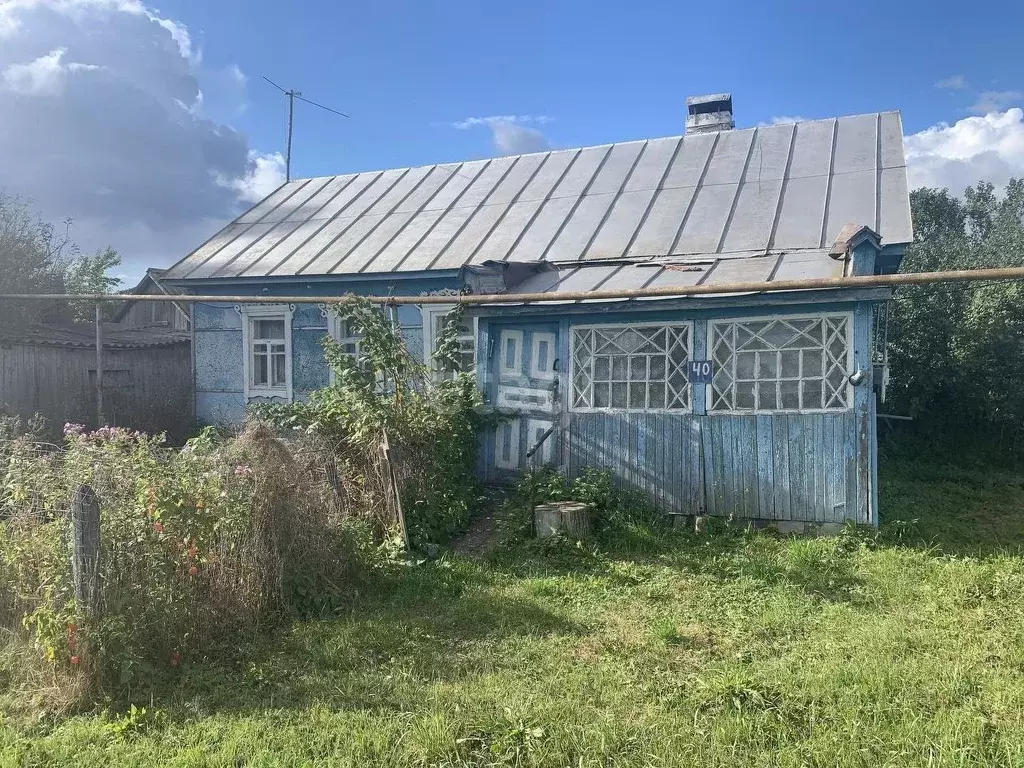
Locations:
(335, 324)
(251, 313)
(571, 384)
(428, 313)
(849, 317)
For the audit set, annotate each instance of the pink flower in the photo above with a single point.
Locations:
(243, 469)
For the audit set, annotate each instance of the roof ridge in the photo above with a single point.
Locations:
(555, 150)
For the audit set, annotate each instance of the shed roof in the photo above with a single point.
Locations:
(766, 189)
(84, 335)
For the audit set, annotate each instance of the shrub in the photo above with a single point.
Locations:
(197, 546)
(430, 421)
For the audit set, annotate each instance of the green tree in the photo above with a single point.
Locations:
(91, 274)
(957, 350)
(38, 257)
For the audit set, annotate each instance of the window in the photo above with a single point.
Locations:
(791, 364)
(269, 354)
(267, 340)
(631, 367)
(435, 317)
(349, 337)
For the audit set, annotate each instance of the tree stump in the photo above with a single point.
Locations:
(562, 518)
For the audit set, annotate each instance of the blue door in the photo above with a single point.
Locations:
(525, 388)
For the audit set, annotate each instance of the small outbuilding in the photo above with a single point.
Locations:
(50, 369)
(760, 405)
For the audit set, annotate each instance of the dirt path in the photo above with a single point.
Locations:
(483, 532)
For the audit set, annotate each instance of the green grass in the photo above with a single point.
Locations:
(731, 649)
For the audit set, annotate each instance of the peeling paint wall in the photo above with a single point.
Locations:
(219, 354)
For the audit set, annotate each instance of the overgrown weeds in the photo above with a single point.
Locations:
(219, 540)
(429, 418)
(197, 547)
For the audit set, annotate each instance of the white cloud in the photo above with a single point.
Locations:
(783, 120)
(45, 75)
(105, 110)
(510, 133)
(516, 139)
(995, 101)
(953, 83)
(956, 156)
(470, 122)
(266, 173)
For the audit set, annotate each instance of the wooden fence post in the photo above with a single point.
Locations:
(85, 556)
(385, 449)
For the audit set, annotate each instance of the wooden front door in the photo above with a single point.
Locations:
(525, 389)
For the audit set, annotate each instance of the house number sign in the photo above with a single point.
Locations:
(701, 371)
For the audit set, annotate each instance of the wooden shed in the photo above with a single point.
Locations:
(155, 314)
(50, 370)
(758, 405)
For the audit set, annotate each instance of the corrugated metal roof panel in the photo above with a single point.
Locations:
(768, 188)
(83, 335)
(704, 269)
(801, 213)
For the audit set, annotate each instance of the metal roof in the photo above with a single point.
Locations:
(84, 335)
(767, 189)
(708, 269)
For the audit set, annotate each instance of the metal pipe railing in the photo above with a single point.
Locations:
(824, 283)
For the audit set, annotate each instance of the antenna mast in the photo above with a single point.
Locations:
(292, 96)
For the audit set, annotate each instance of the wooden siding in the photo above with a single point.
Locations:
(158, 313)
(771, 467)
(148, 389)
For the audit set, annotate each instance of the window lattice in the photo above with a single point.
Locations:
(631, 367)
(772, 365)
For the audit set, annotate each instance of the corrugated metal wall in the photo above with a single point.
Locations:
(148, 389)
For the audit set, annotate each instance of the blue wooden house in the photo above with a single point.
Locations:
(785, 428)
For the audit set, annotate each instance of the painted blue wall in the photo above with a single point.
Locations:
(809, 467)
(817, 467)
(220, 397)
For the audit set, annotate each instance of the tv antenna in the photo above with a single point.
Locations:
(292, 96)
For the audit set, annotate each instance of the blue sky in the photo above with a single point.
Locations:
(150, 127)
(602, 71)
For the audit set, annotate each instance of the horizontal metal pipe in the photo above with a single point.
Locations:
(823, 283)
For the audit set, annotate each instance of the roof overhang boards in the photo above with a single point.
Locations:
(854, 252)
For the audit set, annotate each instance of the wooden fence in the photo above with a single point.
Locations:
(148, 388)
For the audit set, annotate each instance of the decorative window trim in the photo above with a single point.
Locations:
(688, 325)
(847, 316)
(428, 313)
(249, 313)
(516, 369)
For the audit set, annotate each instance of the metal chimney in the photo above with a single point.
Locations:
(710, 113)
